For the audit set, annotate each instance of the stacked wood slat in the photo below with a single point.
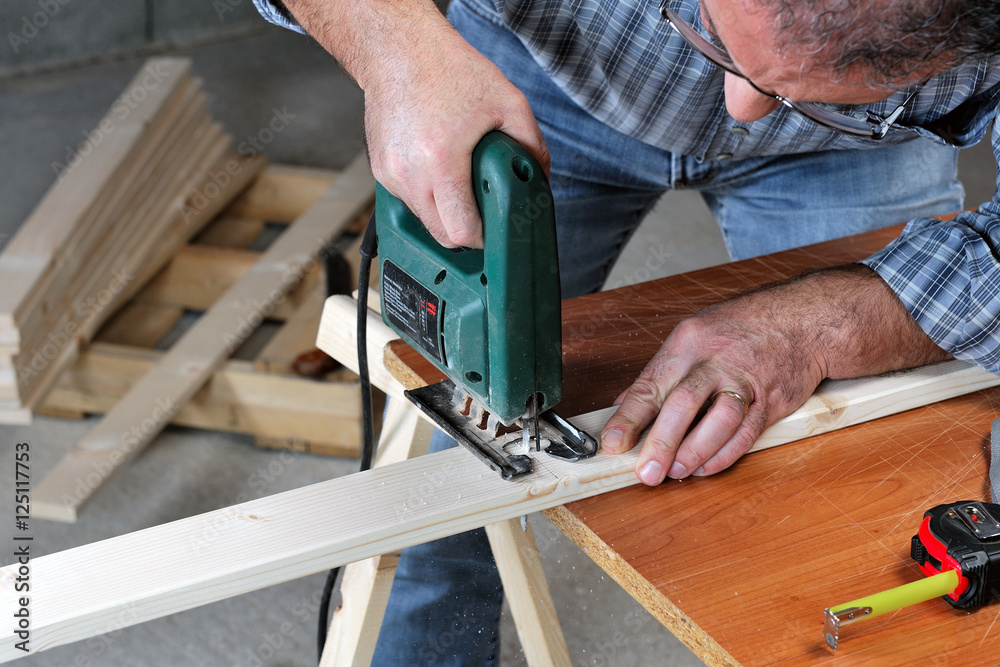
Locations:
(175, 378)
(154, 171)
(265, 398)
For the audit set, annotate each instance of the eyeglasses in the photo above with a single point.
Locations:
(872, 128)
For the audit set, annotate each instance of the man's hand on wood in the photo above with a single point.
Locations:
(770, 348)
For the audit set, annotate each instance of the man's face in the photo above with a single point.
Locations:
(745, 30)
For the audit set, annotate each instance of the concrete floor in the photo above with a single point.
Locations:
(189, 471)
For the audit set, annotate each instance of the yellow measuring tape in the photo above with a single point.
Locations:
(884, 602)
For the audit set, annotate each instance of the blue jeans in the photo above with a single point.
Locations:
(604, 183)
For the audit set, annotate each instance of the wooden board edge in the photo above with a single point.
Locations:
(658, 605)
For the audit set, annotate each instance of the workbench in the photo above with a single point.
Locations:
(741, 565)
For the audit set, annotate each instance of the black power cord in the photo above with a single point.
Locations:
(369, 250)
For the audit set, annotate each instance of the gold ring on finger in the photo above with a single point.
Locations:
(744, 402)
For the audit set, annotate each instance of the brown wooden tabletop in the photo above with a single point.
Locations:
(740, 565)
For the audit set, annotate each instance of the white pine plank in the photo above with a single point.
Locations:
(354, 628)
(195, 561)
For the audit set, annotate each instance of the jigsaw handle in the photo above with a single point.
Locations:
(490, 319)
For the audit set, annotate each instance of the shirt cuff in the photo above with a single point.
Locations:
(275, 12)
(948, 278)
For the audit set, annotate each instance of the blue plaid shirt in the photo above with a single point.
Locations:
(620, 61)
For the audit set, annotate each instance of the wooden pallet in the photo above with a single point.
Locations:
(116, 213)
(261, 396)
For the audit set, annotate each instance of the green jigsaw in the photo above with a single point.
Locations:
(488, 319)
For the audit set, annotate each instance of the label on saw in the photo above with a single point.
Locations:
(412, 308)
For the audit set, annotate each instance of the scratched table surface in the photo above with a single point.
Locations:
(740, 565)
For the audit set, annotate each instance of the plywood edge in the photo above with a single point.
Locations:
(657, 604)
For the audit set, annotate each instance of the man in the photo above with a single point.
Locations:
(717, 96)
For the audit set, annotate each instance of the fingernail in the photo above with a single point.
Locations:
(700, 472)
(677, 471)
(651, 473)
(612, 440)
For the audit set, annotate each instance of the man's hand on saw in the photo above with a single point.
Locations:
(753, 360)
(429, 98)
(422, 125)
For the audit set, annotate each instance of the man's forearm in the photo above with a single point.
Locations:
(868, 332)
(430, 97)
(365, 36)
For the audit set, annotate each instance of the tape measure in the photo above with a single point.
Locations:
(964, 537)
(957, 546)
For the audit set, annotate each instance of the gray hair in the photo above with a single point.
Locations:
(890, 39)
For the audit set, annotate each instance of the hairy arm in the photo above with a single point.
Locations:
(429, 98)
(773, 347)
